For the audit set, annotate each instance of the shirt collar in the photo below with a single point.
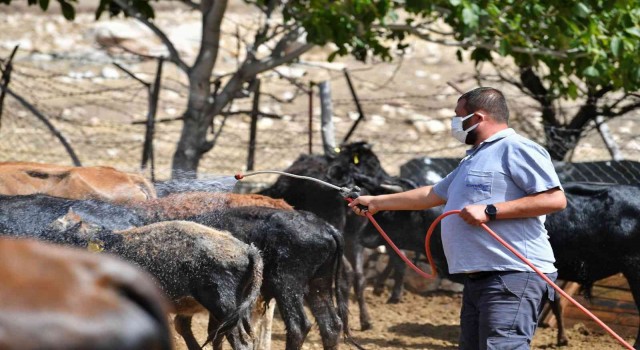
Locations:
(495, 137)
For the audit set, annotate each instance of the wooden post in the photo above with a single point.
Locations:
(326, 114)
(255, 111)
(154, 94)
(310, 93)
(358, 106)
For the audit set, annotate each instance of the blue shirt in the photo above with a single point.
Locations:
(504, 167)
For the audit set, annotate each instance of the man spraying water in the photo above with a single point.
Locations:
(509, 183)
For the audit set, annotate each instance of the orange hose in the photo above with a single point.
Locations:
(495, 236)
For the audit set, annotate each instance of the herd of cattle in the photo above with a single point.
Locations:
(231, 254)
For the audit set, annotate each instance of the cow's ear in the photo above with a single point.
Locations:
(72, 217)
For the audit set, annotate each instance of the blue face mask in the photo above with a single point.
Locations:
(457, 130)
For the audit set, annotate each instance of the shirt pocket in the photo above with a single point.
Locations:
(478, 185)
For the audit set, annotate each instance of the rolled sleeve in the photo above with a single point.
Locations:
(531, 169)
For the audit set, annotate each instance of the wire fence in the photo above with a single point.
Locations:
(100, 111)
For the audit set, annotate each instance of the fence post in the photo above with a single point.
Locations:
(154, 93)
(310, 93)
(255, 111)
(357, 101)
(326, 114)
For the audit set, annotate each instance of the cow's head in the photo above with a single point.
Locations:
(357, 164)
(74, 229)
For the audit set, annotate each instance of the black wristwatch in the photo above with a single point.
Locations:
(491, 211)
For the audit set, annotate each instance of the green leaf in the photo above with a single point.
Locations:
(67, 10)
(44, 4)
(504, 48)
(572, 91)
(616, 46)
(591, 72)
(582, 10)
(633, 31)
(455, 2)
(469, 17)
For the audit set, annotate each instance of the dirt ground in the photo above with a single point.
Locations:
(427, 321)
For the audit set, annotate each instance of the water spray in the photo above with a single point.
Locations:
(346, 192)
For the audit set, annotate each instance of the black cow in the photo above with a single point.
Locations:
(302, 255)
(598, 235)
(355, 163)
(285, 239)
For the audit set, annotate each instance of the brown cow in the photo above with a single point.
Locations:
(54, 297)
(96, 182)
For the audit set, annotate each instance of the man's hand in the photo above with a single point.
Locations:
(474, 214)
(366, 201)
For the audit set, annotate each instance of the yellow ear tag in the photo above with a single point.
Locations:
(356, 160)
(96, 246)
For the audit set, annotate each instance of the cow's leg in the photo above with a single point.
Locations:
(399, 269)
(182, 324)
(289, 297)
(355, 255)
(320, 300)
(556, 308)
(381, 279)
(631, 271)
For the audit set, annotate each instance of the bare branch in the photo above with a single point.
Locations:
(469, 42)
(174, 56)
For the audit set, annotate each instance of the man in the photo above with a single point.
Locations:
(509, 183)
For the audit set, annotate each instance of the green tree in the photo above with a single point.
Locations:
(288, 30)
(579, 51)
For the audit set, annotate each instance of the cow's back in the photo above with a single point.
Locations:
(98, 182)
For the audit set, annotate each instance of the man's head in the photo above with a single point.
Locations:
(486, 109)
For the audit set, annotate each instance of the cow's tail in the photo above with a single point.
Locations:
(341, 300)
(251, 283)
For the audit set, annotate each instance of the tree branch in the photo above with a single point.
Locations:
(174, 56)
(191, 4)
(467, 43)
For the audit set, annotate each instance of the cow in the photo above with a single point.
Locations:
(597, 236)
(96, 182)
(354, 164)
(284, 237)
(57, 298)
(199, 268)
(303, 255)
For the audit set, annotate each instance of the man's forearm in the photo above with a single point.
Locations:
(542, 203)
(417, 199)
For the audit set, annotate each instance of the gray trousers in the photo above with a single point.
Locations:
(500, 310)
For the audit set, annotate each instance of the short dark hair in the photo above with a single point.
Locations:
(489, 100)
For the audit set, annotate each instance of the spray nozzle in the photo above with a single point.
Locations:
(239, 176)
